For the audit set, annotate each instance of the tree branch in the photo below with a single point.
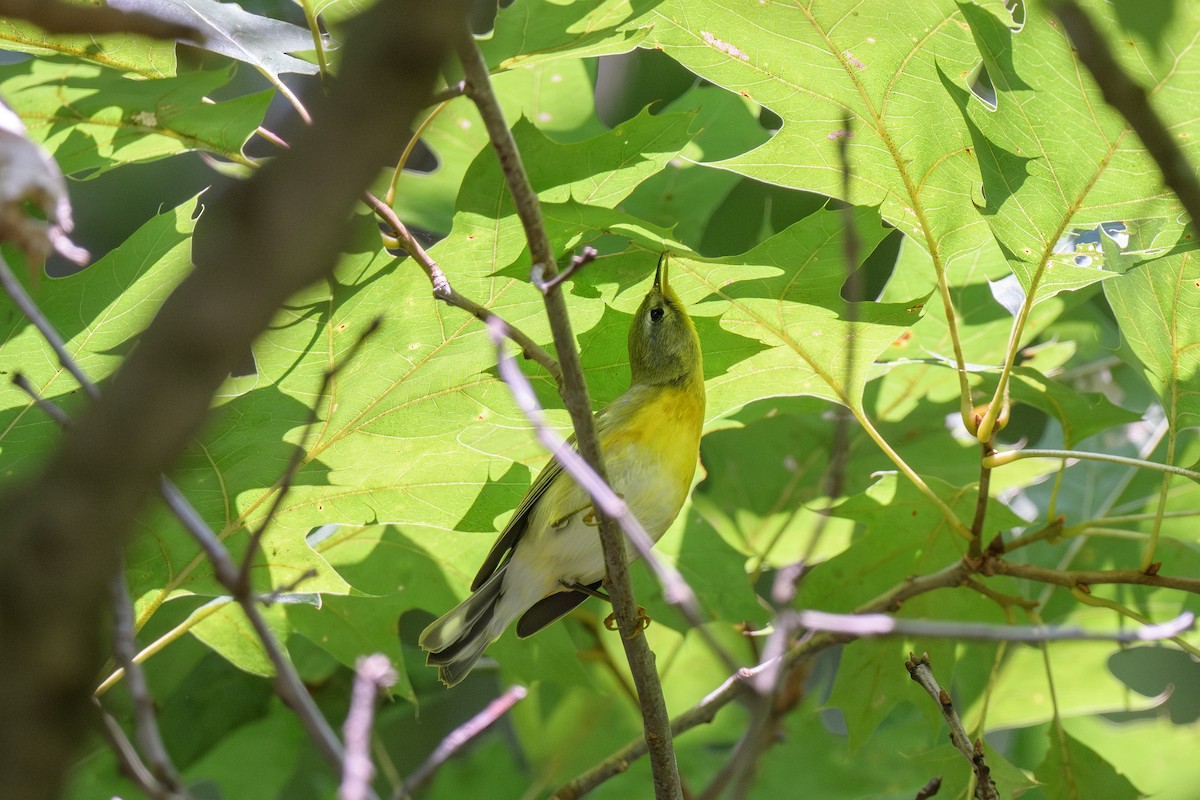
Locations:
(145, 721)
(655, 721)
(372, 674)
(868, 625)
(458, 738)
(920, 670)
(64, 526)
(1084, 578)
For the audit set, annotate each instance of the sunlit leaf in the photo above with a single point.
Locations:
(95, 119)
(230, 30)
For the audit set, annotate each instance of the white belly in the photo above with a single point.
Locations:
(556, 551)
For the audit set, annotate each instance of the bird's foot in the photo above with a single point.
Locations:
(641, 623)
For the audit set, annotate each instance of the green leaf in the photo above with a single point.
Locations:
(1153, 754)
(534, 31)
(228, 29)
(1021, 695)
(785, 297)
(92, 119)
(815, 64)
(905, 536)
(150, 58)
(1157, 305)
(1081, 414)
(1053, 155)
(1072, 771)
(98, 313)
(258, 759)
(223, 626)
(924, 353)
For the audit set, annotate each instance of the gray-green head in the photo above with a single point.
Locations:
(663, 345)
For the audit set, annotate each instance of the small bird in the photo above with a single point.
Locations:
(650, 441)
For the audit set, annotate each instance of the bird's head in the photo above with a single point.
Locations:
(663, 345)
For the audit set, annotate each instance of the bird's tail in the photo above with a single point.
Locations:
(457, 639)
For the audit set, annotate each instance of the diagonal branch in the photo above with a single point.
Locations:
(258, 245)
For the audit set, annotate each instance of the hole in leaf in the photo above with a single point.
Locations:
(980, 84)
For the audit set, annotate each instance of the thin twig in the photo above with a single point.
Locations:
(34, 314)
(655, 721)
(457, 738)
(287, 680)
(1084, 578)
(1131, 102)
(449, 93)
(128, 760)
(298, 452)
(442, 289)
(921, 672)
(144, 719)
(930, 789)
(578, 262)
(372, 674)
(48, 407)
(740, 682)
(53, 16)
(288, 684)
(870, 625)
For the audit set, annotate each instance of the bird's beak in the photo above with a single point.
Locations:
(660, 275)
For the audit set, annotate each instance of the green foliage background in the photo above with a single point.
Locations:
(419, 452)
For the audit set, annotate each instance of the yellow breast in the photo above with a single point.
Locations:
(662, 426)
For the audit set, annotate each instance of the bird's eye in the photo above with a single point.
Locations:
(656, 314)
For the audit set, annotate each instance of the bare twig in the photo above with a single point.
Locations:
(144, 719)
(653, 706)
(930, 789)
(578, 262)
(128, 760)
(287, 680)
(733, 688)
(1084, 578)
(765, 710)
(288, 685)
(457, 738)
(449, 93)
(34, 314)
(1130, 101)
(372, 674)
(740, 683)
(48, 407)
(442, 289)
(922, 673)
(981, 504)
(868, 625)
(58, 17)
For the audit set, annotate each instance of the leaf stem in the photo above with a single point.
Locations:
(1009, 456)
(390, 197)
(947, 513)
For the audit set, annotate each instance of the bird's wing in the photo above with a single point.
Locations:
(516, 526)
(605, 419)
